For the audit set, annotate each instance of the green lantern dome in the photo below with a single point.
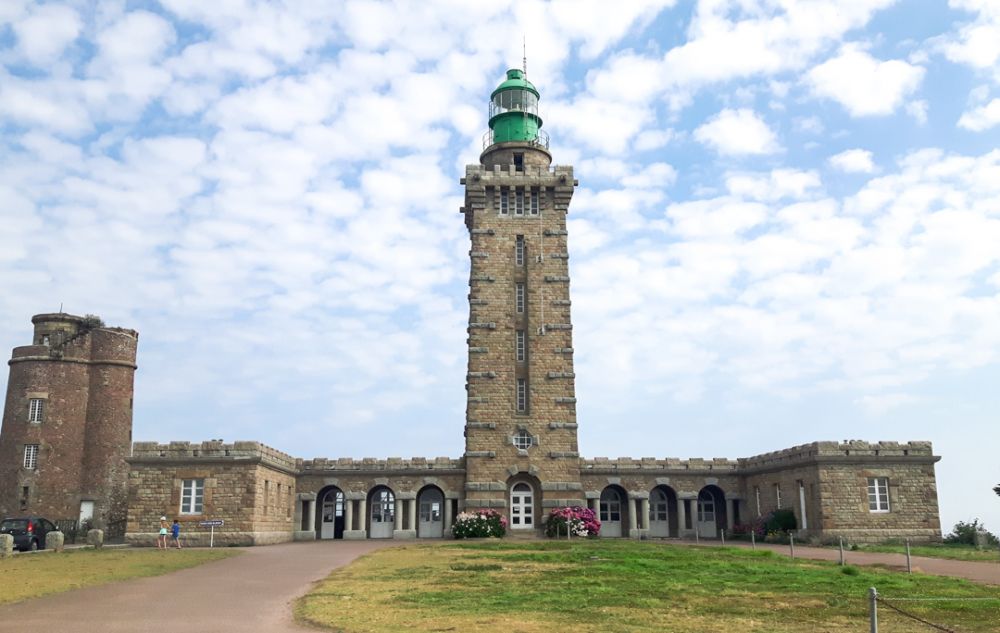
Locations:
(514, 112)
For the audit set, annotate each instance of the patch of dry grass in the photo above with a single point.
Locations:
(32, 575)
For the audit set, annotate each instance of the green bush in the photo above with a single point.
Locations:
(479, 524)
(965, 533)
(782, 520)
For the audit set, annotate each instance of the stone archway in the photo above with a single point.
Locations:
(381, 512)
(613, 512)
(329, 519)
(430, 512)
(710, 512)
(663, 516)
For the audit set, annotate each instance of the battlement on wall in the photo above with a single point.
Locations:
(850, 448)
(372, 464)
(213, 450)
(652, 463)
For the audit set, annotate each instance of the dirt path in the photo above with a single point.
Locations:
(985, 572)
(249, 592)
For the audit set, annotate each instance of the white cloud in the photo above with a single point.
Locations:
(737, 133)
(976, 43)
(981, 118)
(44, 34)
(853, 161)
(862, 84)
(778, 184)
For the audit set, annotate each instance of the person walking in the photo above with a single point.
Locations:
(175, 533)
(161, 540)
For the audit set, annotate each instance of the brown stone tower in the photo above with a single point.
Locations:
(520, 432)
(67, 422)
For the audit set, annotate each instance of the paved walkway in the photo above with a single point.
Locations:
(249, 592)
(985, 572)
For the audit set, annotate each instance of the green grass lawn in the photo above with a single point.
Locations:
(605, 585)
(31, 575)
(955, 552)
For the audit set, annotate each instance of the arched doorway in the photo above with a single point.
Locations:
(611, 512)
(330, 519)
(522, 506)
(710, 512)
(430, 509)
(663, 512)
(382, 513)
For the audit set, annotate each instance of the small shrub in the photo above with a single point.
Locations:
(781, 520)
(479, 524)
(965, 533)
(850, 570)
(575, 520)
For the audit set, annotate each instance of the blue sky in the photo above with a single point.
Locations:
(786, 228)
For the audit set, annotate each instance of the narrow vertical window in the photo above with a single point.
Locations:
(25, 497)
(519, 201)
(519, 250)
(777, 495)
(192, 496)
(534, 202)
(522, 395)
(36, 410)
(756, 494)
(519, 297)
(31, 456)
(878, 494)
(802, 505)
(504, 201)
(519, 346)
(518, 162)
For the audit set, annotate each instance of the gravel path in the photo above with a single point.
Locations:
(249, 592)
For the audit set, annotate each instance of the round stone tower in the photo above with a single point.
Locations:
(521, 453)
(67, 422)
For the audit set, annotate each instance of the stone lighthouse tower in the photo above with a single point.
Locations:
(521, 450)
(67, 422)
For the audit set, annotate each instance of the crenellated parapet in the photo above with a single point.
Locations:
(212, 451)
(605, 465)
(373, 465)
(850, 450)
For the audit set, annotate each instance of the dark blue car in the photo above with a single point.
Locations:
(28, 532)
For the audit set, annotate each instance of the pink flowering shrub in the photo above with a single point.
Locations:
(479, 524)
(576, 520)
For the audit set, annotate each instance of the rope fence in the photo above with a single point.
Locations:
(875, 599)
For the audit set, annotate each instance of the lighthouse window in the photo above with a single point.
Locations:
(534, 202)
(519, 251)
(519, 346)
(504, 202)
(518, 161)
(36, 410)
(519, 202)
(519, 297)
(522, 395)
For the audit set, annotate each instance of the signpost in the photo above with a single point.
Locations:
(212, 523)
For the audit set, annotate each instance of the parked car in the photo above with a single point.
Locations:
(28, 532)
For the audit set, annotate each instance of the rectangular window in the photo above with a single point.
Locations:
(36, 410)
(519, 201)
(777, 495)
(534, 202)
(504, 202)
(519, 297)
(519, 340)
(878, 494)
(31, 456)
(756, 494)
(518, 162)
(802, 505)
(519, 250)
(25, 496)
(522, 395)
(192, 496)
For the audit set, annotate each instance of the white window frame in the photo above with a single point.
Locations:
(756, 494)
(504, 201)
(802, 505)
(523, 440)
(520, 338)
(519, 297)
(31, 456)
(777, 495)
(522, 395)
(36, 410)
(534, 202)
(192, 496)
(878, 494)
(519, 201)
(519, 250)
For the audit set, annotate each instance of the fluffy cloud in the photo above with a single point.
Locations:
(976, 43)
(44, 33)
(981, 118)
(737, 133)
(853, 161)
(862, 84)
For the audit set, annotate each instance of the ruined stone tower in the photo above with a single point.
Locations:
(67, 422)
(520, 431)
